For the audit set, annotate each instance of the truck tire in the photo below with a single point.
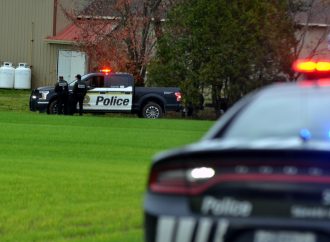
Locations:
(52, 108)
(152, 110)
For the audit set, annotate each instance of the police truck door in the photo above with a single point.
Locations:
(119, 92)
(111, 93)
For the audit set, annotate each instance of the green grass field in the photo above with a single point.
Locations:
(14, 100)
(71, 178)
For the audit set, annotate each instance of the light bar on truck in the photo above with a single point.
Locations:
(106, 70)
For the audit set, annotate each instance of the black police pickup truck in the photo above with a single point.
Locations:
(113, 92)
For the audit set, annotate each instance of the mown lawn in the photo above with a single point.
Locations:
(14, 100)
(71, 178)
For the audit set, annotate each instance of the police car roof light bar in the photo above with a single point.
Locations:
(311, 66)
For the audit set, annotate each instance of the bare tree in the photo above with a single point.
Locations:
(120, 33)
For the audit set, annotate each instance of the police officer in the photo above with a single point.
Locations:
(62, 91)
(79, 92)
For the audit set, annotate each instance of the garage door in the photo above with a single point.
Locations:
(71, 63)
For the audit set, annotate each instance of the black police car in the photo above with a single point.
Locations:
(261, 174)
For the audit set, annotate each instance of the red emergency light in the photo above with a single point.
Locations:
(106, 70)
(311, 66)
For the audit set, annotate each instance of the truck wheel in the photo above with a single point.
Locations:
(52, 108)
(152, 110)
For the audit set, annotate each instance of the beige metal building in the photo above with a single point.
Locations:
(25, 26)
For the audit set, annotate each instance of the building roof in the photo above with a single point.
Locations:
(82, 30)
(99, 16)
(69, 35)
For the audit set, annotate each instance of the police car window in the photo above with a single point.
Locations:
(117, 81)
(95, 81)
(283, 116)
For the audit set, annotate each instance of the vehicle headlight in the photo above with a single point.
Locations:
(43, 94)
(34, 96)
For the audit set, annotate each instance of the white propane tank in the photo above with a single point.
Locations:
(7, 73)
(22, 76)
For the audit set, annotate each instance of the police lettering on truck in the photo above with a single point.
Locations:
(109, 99)
(113, 101)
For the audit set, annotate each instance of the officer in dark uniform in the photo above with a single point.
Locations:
(62, 91)
(79, 92)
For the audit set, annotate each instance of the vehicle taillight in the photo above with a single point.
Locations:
(179, 180)
(178, 96)
(195, 178)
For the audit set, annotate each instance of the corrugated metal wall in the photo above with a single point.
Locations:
(24, 24)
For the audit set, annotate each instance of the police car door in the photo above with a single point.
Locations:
(119, 92)
(95, 91)
(108, 93)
